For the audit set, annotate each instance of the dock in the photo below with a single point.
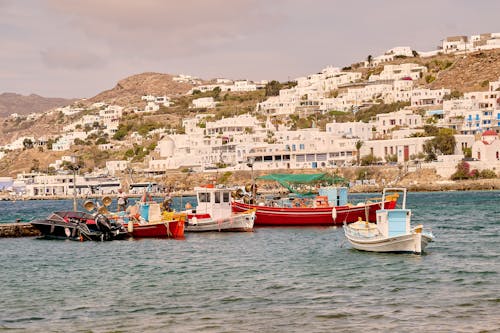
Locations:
(12, 230)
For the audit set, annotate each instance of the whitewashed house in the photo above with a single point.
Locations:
(385, 122)
(455, 43)
(204, 102)
(113, 167)
(351, 130)
(426, 97)
(398, 72)
(18, 143)
(390, 55)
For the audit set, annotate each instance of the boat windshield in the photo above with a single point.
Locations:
(74, 215)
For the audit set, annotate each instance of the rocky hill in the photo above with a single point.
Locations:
(470, 72)
(464, 73)
(45, 126)
(129, 90)
(16, 103)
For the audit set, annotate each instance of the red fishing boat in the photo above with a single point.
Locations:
(329, 207)
(161, 229)
(313, 216)
(145, 219)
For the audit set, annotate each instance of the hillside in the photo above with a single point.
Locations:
(46, 125)
(16, 103)
(470, 73)
(457, 72)
(129, 90)
(464, 73)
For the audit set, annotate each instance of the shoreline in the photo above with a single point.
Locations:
(436, 186)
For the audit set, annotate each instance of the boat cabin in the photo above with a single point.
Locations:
(337, 196)
(394, 222)
(213, 201)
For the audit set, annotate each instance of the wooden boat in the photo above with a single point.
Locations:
(213, 212)
(328, 208)
(145, 219)
(392, 231)
(82, 226)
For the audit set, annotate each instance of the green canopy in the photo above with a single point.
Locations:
(304, 183)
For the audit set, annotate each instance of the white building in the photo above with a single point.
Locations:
(459, 44)
(243, 85)
(390, 55)
(488, 148)
(455, 43)
(19, 143)
(351, 130)
(204, 102)
(385, 122)
(61, 185)
(406, 147)
(476, 112)
(426, 97)
(153, 103)
(233, 126)
(398, 72)
(110, 115)
(115, 166)
(70, 110)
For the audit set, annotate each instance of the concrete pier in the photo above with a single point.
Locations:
(17, 230)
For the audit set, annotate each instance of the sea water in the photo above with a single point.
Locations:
(271, 280)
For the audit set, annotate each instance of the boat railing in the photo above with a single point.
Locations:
(397, 190)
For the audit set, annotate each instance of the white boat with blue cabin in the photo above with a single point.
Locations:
(392, 231)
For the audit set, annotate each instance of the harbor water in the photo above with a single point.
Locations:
(271, 280)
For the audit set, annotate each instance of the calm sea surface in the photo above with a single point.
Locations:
(271, 280)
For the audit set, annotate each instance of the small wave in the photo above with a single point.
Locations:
(334, 315)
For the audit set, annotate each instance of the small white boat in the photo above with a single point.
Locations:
(392, 231)
(213, 212)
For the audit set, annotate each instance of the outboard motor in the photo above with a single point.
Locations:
(103, 223)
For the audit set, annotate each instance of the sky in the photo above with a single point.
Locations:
(76, 49)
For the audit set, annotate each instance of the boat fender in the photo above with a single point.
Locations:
(334, 214)
(194, 221)
(130, 226)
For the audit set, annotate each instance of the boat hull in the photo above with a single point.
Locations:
(243, 222)
(78, 230)
(409, 243)
(164, 229)
(310, 216)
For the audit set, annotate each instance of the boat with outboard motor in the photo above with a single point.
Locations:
(213, 212)
(392, 231)
(82, 226)
(329, 207)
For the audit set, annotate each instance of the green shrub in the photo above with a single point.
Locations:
(487, 174)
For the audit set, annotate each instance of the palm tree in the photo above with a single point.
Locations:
(359, 144)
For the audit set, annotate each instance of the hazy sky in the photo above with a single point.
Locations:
(71, 48)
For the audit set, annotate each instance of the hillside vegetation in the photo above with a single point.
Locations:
(462, 73)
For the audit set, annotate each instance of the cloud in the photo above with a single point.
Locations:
(72, 59)
(165, 29)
